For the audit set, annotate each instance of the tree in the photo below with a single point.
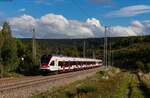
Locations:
(21, 49)
(6, 31)
(8, 55)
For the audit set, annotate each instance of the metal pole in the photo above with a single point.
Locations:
(105, 48)
(94, 54)
(84, 49)
(33, 46)
(110, 52)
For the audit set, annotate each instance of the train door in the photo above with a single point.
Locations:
(54, 65)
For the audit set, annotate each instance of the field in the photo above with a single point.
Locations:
(111, 84)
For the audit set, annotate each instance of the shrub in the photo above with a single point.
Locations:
(85, 89)
(70, 94)
(140, 65)
(147, 68)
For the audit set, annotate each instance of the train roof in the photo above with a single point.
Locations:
(66, 58)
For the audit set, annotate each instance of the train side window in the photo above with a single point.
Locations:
(52, 63)
(60, 63)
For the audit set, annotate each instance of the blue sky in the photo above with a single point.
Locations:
(107, 12)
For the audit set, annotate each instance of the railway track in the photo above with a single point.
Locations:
(31, 82)
(12, 80)
(6, 87)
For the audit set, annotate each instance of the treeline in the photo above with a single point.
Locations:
(69, 47)
(134, 57)
(131, 53)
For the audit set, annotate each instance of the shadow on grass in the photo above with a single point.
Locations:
(145, 90)
(130, 90)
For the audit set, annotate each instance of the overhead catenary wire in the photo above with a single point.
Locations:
(84, 46)
(110, 47)
(106, 52)
(105, 59)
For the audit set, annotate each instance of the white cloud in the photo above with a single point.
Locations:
(146, 21)
(23, 22)
(137, 27)
(0, 28)
(94, 21)
(22, 10)
(137, 24)
(130, 11)
(57, 26)
(50, 26)
(122, 31)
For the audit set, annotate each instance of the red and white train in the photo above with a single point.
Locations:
(58, 63)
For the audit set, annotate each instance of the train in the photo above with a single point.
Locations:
(60, 63)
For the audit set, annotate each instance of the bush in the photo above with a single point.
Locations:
(27, 67)
(147, 68)
(140, 65)
(85, 89)
(70, 94)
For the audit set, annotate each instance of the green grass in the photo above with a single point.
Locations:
(136, 92)
(92, 87)
(122, 87)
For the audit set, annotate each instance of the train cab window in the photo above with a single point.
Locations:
(52, 63)
(44, 60)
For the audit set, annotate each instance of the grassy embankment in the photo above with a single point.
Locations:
(119, 85)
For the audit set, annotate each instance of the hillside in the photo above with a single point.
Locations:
(128, 52)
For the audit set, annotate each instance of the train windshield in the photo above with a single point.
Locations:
(45, 59)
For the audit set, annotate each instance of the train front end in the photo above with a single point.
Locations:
(44, 66)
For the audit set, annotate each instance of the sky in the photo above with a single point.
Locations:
(76, 18)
